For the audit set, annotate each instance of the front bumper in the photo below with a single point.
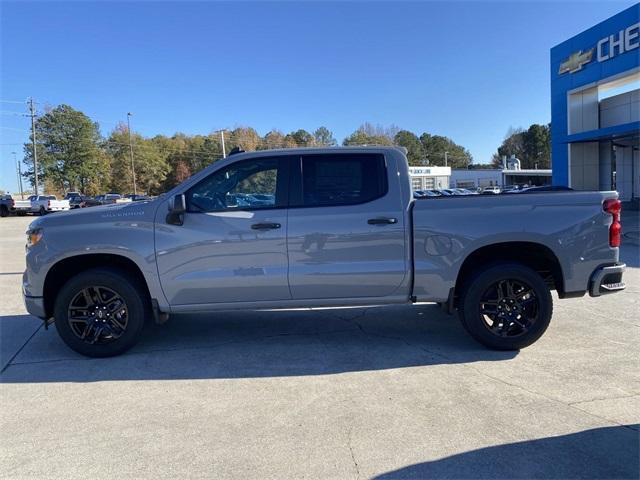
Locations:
(607, 280)
(35, 306)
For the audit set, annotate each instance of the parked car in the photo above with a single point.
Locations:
(82, 201)
(71, 195)
(109, 198)
(491, 190)
(138, 198)
(464, 191)
(7, 205)
(543, 188)
(41, 204)
(425, 194)
(510, 189)
(344, 230)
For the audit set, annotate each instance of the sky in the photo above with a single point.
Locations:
(466, 70)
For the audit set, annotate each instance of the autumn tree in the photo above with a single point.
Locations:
(150, 165)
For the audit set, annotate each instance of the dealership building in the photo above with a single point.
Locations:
(427, 178)
(595, 107)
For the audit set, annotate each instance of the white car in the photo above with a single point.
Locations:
(41, 204)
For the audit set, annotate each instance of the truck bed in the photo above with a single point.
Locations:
(447, 230)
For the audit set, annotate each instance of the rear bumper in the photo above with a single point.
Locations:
(607, 280)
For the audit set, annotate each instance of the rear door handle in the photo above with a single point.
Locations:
(382, 221)
(265, 226)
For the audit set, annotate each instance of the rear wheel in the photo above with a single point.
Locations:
(42, 211)
(4, 211)
(101, 312)
(506, 307)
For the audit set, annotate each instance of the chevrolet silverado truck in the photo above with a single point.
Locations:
(316, 228)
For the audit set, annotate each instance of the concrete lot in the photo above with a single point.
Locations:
(360, 393)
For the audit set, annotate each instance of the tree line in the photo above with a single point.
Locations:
(73, 155)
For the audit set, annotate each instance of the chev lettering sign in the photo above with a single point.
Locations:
(606, 48)
(625, 41)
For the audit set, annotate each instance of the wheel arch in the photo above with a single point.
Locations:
(534, 255)
(69, 267)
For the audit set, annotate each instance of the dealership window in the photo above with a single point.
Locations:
(416, 183)
(429, 182)
(245, 185)
(466, 184)
(342, 179)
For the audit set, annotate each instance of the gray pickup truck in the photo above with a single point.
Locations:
(315, 228)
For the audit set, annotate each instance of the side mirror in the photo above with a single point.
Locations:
(177, 209)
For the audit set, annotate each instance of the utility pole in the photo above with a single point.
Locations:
(19, 169)
(224, 153)
(446, 158)
(32, 114)
(133, 169)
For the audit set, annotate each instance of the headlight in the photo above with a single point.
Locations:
(33, 237)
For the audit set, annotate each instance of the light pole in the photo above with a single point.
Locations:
(224, 153)
(133, 168)
(446, 158)
(19, 175)
(32, 114)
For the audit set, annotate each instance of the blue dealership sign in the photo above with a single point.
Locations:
(605, 50)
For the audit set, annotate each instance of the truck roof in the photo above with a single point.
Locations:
(319, 150)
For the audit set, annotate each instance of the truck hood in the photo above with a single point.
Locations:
(144, 211)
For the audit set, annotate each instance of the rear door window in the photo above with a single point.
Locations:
(342, 179)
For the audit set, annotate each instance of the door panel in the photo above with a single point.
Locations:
(217, 257)
(334, 252)
(232, 244)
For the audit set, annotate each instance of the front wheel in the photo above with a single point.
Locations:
(101, 312)
(506, 307)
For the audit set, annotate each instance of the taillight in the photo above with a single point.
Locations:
(614, 207)
(49, 204)
(13, 203)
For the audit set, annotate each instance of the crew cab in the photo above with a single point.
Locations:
(314, 228)
(41, 204)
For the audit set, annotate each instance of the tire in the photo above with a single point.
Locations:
(519, 319)
(42, 211)
(4, 211)
(104, 335)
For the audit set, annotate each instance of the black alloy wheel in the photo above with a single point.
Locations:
(509, 308)
(97, 314)
(101, 312)
(505, 306)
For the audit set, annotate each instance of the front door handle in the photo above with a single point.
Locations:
(382, 221)
(265, 226)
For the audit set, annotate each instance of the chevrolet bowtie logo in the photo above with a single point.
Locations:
(575, 62)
